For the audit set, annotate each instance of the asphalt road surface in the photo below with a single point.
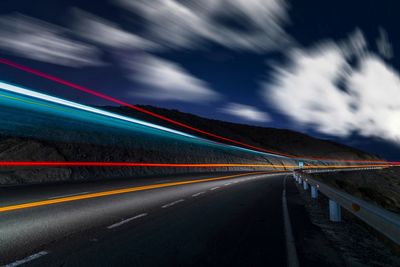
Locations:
(196, 220)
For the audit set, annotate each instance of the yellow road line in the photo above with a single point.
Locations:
(118, 191)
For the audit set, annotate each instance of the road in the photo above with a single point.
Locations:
(196, 220)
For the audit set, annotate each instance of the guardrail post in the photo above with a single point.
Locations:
(314, 191)
(335, 213)
(305, 185)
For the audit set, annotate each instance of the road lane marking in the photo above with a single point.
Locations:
(198, 194)
(291, 253)
(70, 195)
(121, 191)
(172, 203)
(227, 184)
(126, 221)
(212, 189)
(27, 259)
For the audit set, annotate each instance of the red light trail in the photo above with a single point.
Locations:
(142, 110)
(58, 164)
(171, 165)
(129, 164)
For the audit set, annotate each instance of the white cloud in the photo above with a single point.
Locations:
(31, 38)
(319, 89)
(106, 33)
(246, 112)
(165, 80)
(375, 88)
(254, 25)
(383, 44)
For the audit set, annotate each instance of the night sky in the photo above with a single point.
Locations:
(270, 63)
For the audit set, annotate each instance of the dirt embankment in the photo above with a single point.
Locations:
(45, 138)
(19, 149)
(280, 140)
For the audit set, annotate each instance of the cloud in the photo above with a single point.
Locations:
(31, 38)
(245, 112)
(375, 88)
(167, 81)
(254, 25)
(106, 33)
(383, 44)
(321, 90)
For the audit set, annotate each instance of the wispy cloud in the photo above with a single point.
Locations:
(31, 38)
(383, 44)
(320, 89)
(255, 25)
(165, 80)
(246, 112)
(107, 33)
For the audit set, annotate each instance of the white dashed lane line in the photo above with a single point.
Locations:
(27, 259)
(172, 203)
(126, 221)
(214, 188)
(198, 194)
(291, 253)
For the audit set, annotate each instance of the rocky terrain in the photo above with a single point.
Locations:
(61, 140)
(281, 140)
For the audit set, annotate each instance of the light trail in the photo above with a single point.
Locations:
(51, 102)
(132, 164)
(145, 111)
(120, 102)
(175, 165)
(60, 101)
(119, 191)
(27, 96)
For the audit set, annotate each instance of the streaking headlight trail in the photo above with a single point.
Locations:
(17, 96)
(29, 93)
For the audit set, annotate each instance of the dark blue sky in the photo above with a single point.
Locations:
(233, 73)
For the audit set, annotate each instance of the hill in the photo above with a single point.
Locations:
(51, 138)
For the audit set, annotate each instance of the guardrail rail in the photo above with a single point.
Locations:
(382, 220)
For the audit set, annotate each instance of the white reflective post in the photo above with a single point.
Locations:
(305, 185)
(314, 191)
(335, 213)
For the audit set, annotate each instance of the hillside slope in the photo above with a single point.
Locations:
(280, 140)
(49, 138)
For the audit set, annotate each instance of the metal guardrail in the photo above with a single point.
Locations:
(338, 169)
(384, 221)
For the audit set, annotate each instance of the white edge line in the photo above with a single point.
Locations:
(27, 259)
(69, 195)
(126, 221)
(291, 253)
